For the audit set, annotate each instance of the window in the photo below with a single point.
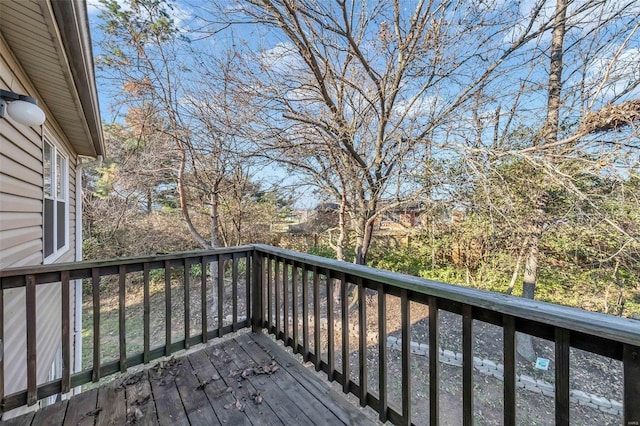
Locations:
(56, 179)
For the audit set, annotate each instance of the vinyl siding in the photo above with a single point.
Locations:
(21, 243)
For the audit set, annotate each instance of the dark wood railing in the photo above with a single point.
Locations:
(120, 272)
(284, 291)
(280, 272)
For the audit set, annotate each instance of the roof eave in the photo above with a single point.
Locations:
(73, 26)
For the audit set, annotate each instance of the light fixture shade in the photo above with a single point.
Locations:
(26, 113)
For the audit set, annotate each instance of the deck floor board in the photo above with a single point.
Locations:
(216, 390)
(269, 392)
(112, 405)
(230, 370)
(208, 387)
(50, 415)
(194, 399)
(165, 393)
(141, 407)
(81, 410)
(316, 411)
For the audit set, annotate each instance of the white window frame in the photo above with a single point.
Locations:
(64, 172)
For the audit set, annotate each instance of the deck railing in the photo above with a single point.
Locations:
(292, 295)
(139, 273)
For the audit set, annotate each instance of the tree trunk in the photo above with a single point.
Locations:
(555, 73)
(182, 195)
(215, 219)
(342, 228)
(433, 244)
(516, 270)
(550, 135)
(363, 241)
(149, 200)
(524, 342)
(531, 266)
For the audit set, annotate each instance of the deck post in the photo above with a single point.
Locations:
(256, 293)
(631, 372)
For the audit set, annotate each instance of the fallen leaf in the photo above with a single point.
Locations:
(203, 384)
(257, 398)
(93, 413)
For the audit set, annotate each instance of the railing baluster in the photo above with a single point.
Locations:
(186, 277)
(316, 317)
(259, 296)
(147, 313)
(277, 295)
(122, 280)
(362, 346)
(257, 291)
(345, 332)
(434, 362)
(285, 300)
(467, 365)
(95, 287)
(631, 384)
(562, 376)
(220, 294)
(265, 264)
(294, 303)
(509, 341)
(305, 312)
(66, 332)
(167, 308)
(234, 292)
(269, 295)
(382, 352)
(203, 298)
(406, 358)
(330, 331)
(32, 373)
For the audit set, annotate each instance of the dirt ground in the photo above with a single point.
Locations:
(589, 373)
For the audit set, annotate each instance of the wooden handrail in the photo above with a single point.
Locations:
(611, 327)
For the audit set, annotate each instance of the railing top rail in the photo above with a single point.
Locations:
(592, 323)
(74, 266)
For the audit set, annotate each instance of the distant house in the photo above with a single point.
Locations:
(402, 217)
(45, 53)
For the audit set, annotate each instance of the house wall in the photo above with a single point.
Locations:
(21, 217)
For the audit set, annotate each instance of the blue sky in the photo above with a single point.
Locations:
(186, 15)
(275, 54)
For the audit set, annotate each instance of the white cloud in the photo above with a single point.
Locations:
(609, 76)
(526, 13)
(282, 58)
(588, 15)
(93, 7)
(182, 16)
(412, 109)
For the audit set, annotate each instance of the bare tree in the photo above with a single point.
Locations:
(535, 177)
(351, 96)
(185, 91)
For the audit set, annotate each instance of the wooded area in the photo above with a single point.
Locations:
(510, 130)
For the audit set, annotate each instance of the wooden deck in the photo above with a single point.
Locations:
(247, 380)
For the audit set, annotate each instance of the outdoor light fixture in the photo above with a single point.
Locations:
(22, 108)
